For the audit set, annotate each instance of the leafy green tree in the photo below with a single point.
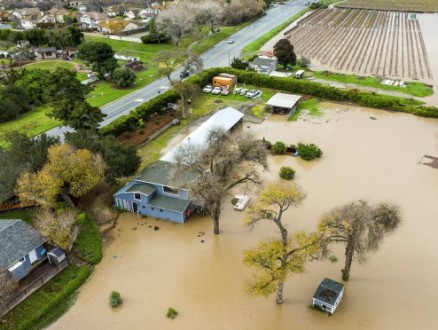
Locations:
(287, 173)
(154, 36)
(13, 102)
(276, 260)
(308, 151)
(121, 160)
(239, 63)
(123, 77)
(284, 51)
(67, 97)
(100, 55)
(279, 147)
(360, 227)
(34, 83)
(24, 154)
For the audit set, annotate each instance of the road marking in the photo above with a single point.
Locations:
(139, 100)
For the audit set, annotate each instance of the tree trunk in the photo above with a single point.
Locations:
(348, 259)
(280, 288)
(183, 106)
(215, 216)
(67, 198)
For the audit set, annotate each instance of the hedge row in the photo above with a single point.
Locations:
(141, 113)
(300, 86)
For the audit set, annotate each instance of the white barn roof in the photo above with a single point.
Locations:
(225, 119)
(281, 100)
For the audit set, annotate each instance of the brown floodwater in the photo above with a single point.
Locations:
(202, 276)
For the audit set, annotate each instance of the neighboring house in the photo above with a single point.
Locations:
(47, 19)
(75, 4)
(48, 53)
(264, 64)
(328, 295)
(26, 12)
(112, 26)
(91, 20)
(132, 13)
(29, 22)
(59, 14)
(157, 191)
(110, 11)
(21, 248)
(5, 16)
(149, 13)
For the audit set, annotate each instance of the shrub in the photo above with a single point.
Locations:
(308, 151)
(234, 201)
(279, 147)
(171, 313)
(287, 173)
(333, 258)
(115, 299)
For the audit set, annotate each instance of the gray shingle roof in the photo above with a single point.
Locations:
(169, 203)
(328, 291)
(162, 173)
(17, 239)
(144, 188)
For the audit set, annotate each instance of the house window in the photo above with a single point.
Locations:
(170, 190)
(161, 210)
(137, 196)
(48, 53)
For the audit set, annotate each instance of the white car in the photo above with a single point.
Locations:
(216, 91)
(231, 41)
(207, 89)
(252, 93)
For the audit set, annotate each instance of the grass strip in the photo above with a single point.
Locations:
(50, 302)
(412, 88)
(311, 105)
(251, 49)
(25, 215)
(88, 243)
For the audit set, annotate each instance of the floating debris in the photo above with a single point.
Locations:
(135, 228)
(156, 228)
(373, 118)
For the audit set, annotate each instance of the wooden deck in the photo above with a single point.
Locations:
(35, 280)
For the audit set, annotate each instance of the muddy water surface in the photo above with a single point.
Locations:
(376, 158)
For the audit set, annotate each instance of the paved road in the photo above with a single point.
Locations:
(220, 55)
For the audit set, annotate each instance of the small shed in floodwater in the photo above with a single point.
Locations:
(328, 295)
(283, 103)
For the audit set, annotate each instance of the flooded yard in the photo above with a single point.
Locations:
(369, 154)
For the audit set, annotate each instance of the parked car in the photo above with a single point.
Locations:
(216, 91)
(184, 74)
(225, 91)
(243, 91)
(252, 93)
(207, 89)
(237, 90)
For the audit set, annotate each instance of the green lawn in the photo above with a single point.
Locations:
(412, 88)
(47, 304)
(25, 215)
(88, 244)
(32, 123)
(311, 105)
(50, 65)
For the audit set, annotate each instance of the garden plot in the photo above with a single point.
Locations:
(365, 42)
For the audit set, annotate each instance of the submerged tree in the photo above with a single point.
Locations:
(275, 260)
(361, 227)
(222, 165)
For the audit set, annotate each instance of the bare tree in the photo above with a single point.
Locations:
(222, 165)
(361, 227)
(208, 13)
(175, 22)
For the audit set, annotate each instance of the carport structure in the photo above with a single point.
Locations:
(283, 103)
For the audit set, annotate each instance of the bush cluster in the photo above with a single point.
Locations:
(279, 147)
(171, 313)
(287, 173)
(308, 151)
(115, 299)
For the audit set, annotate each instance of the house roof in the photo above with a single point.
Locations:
(169, 203)
(163, 173)
(225, 119)
(17, 239)
(264, 61)
(144, 188)
(328, 291)
(281, 100)
(47, 49)
(97, 16)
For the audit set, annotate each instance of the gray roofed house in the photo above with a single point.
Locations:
(20, 247)
(46, 53)
(328, 295)
(265, 64)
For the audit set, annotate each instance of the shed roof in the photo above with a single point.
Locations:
(328, 291)
(17, 239)
(264, 61)
(46, 49)
(169, 203)
(281, 100)
(225, 119)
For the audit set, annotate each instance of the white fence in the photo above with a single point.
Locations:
(131, 39)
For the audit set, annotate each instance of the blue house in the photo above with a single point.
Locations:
(21, 247)
(328, 295)
(156, 191)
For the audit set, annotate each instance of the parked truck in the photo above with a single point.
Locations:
(229, 75)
